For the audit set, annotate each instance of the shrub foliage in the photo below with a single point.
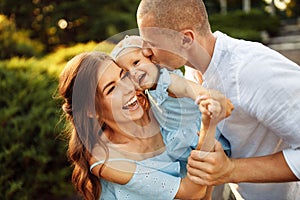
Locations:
(15, 42)
(246, 26)
(33, 165)
(33, 150)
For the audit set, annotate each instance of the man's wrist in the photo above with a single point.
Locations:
(233, 167)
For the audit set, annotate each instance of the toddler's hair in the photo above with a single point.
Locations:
(132, 41)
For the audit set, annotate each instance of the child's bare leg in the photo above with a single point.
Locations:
(208, 195)
(211, 115)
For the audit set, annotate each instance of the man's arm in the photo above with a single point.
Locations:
(216, 168)
(269, 92)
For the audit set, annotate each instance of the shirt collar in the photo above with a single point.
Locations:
(216, 57)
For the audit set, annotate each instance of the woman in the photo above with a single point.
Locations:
(114, 132)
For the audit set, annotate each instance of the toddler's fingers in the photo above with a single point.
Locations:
(200, 98)
(203, 106)
(214, 108)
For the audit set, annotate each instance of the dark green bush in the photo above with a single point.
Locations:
(32, 147)
(15, 42)
(32, 156)
(245, 25)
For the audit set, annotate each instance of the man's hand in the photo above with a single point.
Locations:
(210, 168)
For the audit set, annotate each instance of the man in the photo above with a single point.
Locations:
(264, 86)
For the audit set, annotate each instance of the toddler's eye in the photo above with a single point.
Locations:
(124, 74)
(136, 62)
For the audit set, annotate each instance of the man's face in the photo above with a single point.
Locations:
(162, 46)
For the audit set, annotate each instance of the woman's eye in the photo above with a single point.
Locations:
(110, 90)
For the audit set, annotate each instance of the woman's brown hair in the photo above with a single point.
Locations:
(78, 85)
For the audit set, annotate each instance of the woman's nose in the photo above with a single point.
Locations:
(134, 79)
(127, 85)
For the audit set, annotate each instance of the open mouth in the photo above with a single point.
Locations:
(142, 99)
(132, 104)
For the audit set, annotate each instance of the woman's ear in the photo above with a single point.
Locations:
(188, 37)
(92, 114)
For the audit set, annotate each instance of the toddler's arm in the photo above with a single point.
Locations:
(182, 87)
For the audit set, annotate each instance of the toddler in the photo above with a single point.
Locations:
(163, 88)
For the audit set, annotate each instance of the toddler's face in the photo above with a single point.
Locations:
(142, 71)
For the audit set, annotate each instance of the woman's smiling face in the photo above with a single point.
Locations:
(118, 98)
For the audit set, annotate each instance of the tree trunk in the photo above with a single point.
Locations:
(223, 5)
(246, 6)
(273, 10)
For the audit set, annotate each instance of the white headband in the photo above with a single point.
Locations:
(127, 43)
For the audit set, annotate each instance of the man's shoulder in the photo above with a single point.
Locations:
(238, 46)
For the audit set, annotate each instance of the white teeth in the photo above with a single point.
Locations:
(134, 99)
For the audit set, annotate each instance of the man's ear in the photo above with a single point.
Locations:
(188, 37)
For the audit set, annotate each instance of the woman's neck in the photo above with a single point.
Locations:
(137, 140)
(134, 148)
(146, 127)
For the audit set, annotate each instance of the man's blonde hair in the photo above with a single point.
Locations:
(176, 14)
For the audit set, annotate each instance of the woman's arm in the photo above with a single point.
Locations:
(122, 172)
(119, 172)
(130, 174)
(189, 190)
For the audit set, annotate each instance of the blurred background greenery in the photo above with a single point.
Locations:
(38, 37)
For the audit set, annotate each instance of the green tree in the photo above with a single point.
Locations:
(15, 42)
(33, 146)
(86, 19)
(32, 156)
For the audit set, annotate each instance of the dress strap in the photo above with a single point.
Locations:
(110, 160)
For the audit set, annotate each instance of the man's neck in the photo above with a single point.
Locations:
(201, 53)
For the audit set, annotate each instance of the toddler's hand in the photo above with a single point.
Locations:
(214, 107)
(211, 111)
